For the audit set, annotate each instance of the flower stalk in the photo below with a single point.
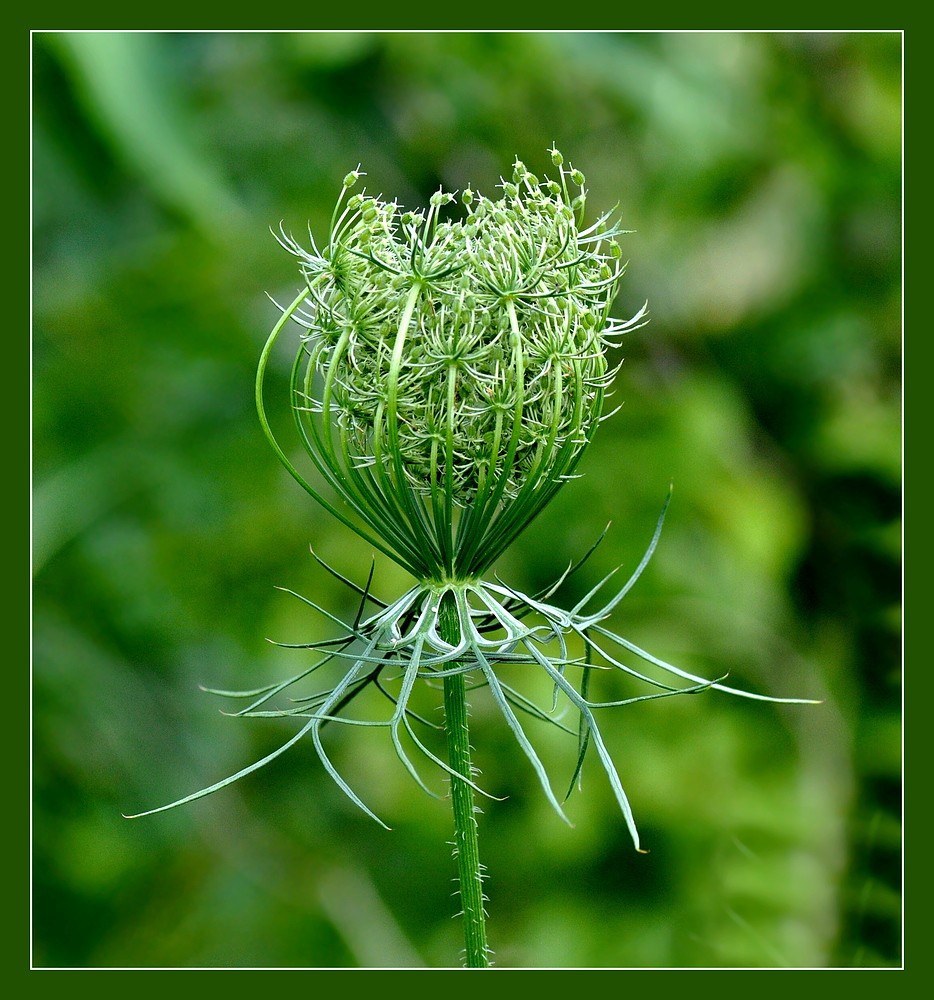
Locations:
(466, 828)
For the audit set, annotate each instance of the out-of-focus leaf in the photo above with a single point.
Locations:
(133, 101)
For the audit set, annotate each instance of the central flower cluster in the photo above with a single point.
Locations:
(463, 356)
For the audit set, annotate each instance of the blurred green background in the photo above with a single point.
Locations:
(761, 173)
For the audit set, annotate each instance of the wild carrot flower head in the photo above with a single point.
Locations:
(450, 376)
(454, 370)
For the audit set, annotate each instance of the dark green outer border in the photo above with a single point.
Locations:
(918, 420)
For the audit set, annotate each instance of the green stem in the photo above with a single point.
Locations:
(466, 841)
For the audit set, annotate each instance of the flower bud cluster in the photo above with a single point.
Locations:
(461, 353)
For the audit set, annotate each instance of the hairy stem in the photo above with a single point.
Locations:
(466, 842)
